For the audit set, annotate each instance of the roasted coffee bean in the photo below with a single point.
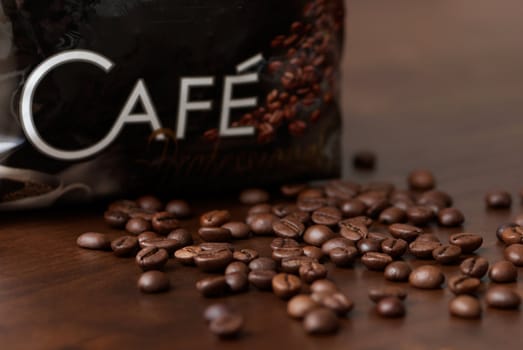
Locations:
(125, 246)
(421, 180)
(262, 279)
(141, 214)
(395, 247)
(426, 277)
(390, 307)
(352, 208)
(343, 257)
(518, 220)
(300, 305)
(211, 287)
(313, 252)
(323, 285)
(450, 217)
(94, 241)
(301, 216)
(338, 242)
(328, 216)
(337, 302)
(237, 266)
(375, 209)
(152, 258)
(392, 215)
(260, 209)
(321, 321)
(406, 232)
(397, 271)
(420, 215)
(227, 326)
(310, 272)
(378, 236)
(261, 224)
(403, 204)
(435, 196)
(237, 282)
(138, 225)
(149, 203)
(284, 243)
(164, 222)
(423, 249)
(428, 237)
(283, 209)
(215, 311)
(254, 196)
(511, 235)
(461, 284)
(208, 246)
(214, 260)
(368, 245)
(186, 255)
(292, 265)
(376, 261)
(500, 297)
(245, 255)
(124, 206)
(475, 266)
(285, 285)
(498, 199)
(447, 254)
(468, 242)
(170, 245)
(147, 235)
(364, 160)
(378, 293)
(179, 208)
(153, 282)
(503, 272)
(353, 231)
(292, 190)
(116, 219)
(317, 235)
(215, 218)
(465, 306)
(181, 235)
(288, 227)
(282, 253)
(514, 254)
(262, 264)
(239, 230)
(215, 234)
(311, 204)
(311, 193)
(399, 194)
(371, 197)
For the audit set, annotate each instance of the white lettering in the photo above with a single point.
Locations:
(186, 105)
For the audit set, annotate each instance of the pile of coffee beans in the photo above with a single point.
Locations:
(342, 222)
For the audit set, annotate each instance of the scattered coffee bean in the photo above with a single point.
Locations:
(153, 282)
(284, 243)
(338, 242)
(292, 265)
(475, 266)
(149, 203)
(215, 218)
(353, 230)
(376, 261)
(152, 258)
(353, 208)
(124, 206)
(116, 219)
(179, 208)
(461, 284)
(465, 306)
(450, 217)
(237, 266)
(282, 253)
(288, 227)
(239, 230)
(392, 215)
(259, 209)
(254, 196)
(262, 264)
(518, 220)
(337, 302)
(211, 287)
(468, 242)
(367, 245)
(215, 234)
(397, 271)
(310, 272)
(503, 272)
(420, 215)
(215, 311)
(237, 282)
(323, 285)
(125, 246)
(144, 236)
(261, 224)
(300, 305)
(94, 241)
(164, 222)
(498, 199)
(138, 225)
(317, 235)
(328, 216)
(227, 326)
(208, 246)
(447, 254)
(245, 255)
(378, 293)
(213, 260)
(146, 215)
(343, 257)
(421, 180)
(292, 190)
(514, 254)
(285, 285)
(395, 247)
(262, 279)
(501, 297)
(511, 234)
(321, 321)
(502, 227)
(378, 236)
(390, 307)
(313, 252)
(181, 235)
(426, 277)
(423, 249)
(170, 245)
(186, 255)
(405, 232)
(428, 237)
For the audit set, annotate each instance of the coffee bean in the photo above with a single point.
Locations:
(423, 249)
(368, 245)
(153, 282)
(461, 284)
(164, 222)
(149, 203)
(144, 236)
(321, 321)
(152, 258)
(465, 306)
(254, 196)
(420, 215)
(94, 241)
(215, 218)
(237, 266)
(215, 234)
(262, 279)
(375, 209)
(518, 220)
(313, 252)
(328, 216)
(211, 287)
(262, 263)
(352, 208)
(378, 236)
(475, 266)
(397, 271)
(282, 253)
(468, 242)
(395, 247)
(323, 286)
(284, 243)
(214, 260)
(503, 272)
(376, 261)
(406, 232)
(237, 282)
(260, 209)
(378, 293)
(421, 180)
(426, 277)
(310, 272)
(170, 245)
(299, 215)
(181, 235)
(288, 227)
(227, 326)
(317, 235)
(300, 305)
(390, 307)
(364, 160)
(215, 311)
(125, 246)
(137, 225)
(338, 242)
(500, 297)
(311, 204)
(283, 209)
(450, 217)
(208, 246)
(435, 196)
(186, 255)
(285, 285)
(239, 230)
(116, 219)
(245, 255)
(353, 231)
(292, 190)
(428, 237)
(447, 254)
(179, 208)
(146, 215)
(343, 257)
(124, 206)
(292, 265)
(372, 197)
(514, 254)
(511, 234)
(392, 215)
(261, 224)
(336, 301)
(498, 200)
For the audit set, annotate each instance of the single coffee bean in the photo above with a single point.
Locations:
(465, 306)
(420, 215)
(239, 230)
(353, 232)
(378, 236)
(152, 258)
(352, 208)
(376, 261)
(364, 160)
(402, 204)
(215, 311)
(435, 196)
(186, 255)
(164, 222)
(301, 216)
(261, 224)
(311, 204)
(214, 260)
(392, 215)
(146, 215)
(310, 272)
(179, 208)
(343, 257)
(317, 235)
(137, 225)
(421, 180)
(502, 228)
(503, 272)
(447, 254)
(260, 209)
(323, 286)
(237, 282)
(498, 199)
(211, 287)
(208, 246)
(395, 247)
(125, 246)
(262, 279)
(149, 203)
(406, 232)
(368, 245)
(124, 206)
(390, 307)
(237, 266)
(300, 305)
(153, 282)
(292, 190)
(378, 293)
(144, 236)
(292, 265)
(288, 227)
(116, 219)
(500, 297)
(215, 234)
(227, 326)
(426, 277)
(215, 218)
(262, 263)
(94, 241)
(475, 266)
(328, 216)
(461, 284)
(170, 245)
(511, 235)
(397, 271)
(338, 242)
(254, 196)
(284, 243)
(450, 217)
(282, 253)
(283, 209)
(375, 209)
(514, 254)
(371, 197)
(245, 255)
(468, 242)
(428, 237)
(181, 235)
(337, 302)
(321, 321)
(313, 252)
(423, 249)
(285, 285)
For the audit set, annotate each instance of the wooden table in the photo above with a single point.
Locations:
(433, 84)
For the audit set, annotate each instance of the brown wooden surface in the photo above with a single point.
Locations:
(434, 84)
